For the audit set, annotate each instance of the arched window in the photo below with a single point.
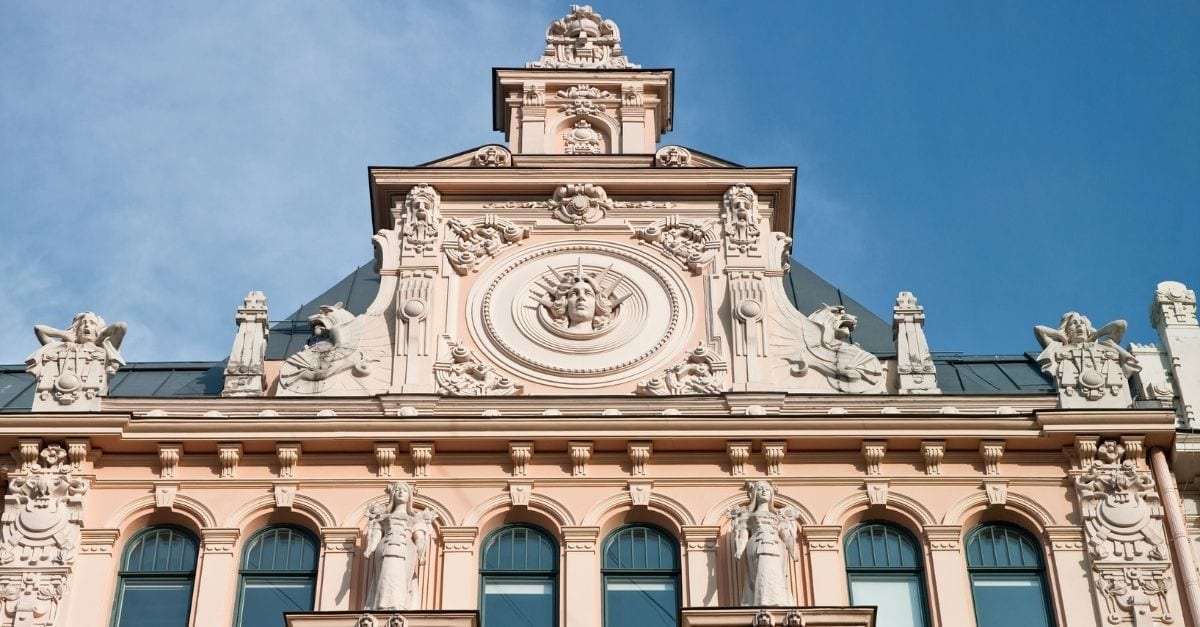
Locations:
(1008, 581)
(154, 585)
(641, 578)
(519, 578)
(278, 574)
(883, 568)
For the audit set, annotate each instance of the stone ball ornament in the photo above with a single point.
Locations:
(581, 313)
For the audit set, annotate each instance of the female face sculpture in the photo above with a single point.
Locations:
(581, 305)
(762, 494)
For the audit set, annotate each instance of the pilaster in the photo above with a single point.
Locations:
(216, 577)
(700, 542)
(333, 592)
(826, 567)
(951, 586)
(581, 577)
(459, 564)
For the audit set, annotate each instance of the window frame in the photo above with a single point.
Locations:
(511, 575)
(169, 576)
(675, 574)
(1039, 570)
(298, 575)
(917, 571)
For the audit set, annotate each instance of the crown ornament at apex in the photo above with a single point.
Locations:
(583, 39)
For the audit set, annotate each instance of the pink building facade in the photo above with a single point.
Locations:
(585, 382)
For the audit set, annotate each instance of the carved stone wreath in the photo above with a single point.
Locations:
(507, 314)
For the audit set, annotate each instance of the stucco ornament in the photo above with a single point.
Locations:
(701, 372)
(333, 349)
(492, 157)
(846, 365)
(580, 203)
(580, 303)
(421, 218)
(73, 365)
(582, 139)
(244, 372)
(766, 537)
(673, 157)
(692, 243)
(398, 539)
(739, 214)
(583, 39)
(581, 100)
(460, 373)
(476, 239)
(31, 599)
(1123, 522)
(43, 511)
(1089, 366)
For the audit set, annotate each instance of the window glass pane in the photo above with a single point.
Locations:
(999, 546)
(518, 549)
(880, 546)
(898, 597)
(518, 602)
(640, 548)
(1002, 600)
(160, 549)
(154, 603)
(265, 599)
(644, 601)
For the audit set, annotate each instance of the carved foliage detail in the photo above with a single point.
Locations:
(43, 512)
(701, 372)
(461, 373)
(692, 243)
(474, 239)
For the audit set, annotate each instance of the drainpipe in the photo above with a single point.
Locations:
(1178, 531)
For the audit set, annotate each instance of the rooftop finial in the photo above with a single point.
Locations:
(583, 39)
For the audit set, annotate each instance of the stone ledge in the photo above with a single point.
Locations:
(425, 618)
(809, 616)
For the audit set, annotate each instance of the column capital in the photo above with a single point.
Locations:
(219, 540)
(339, 539)
(1065, 537)
(943, 537)
(580, 538)
(98, 540)
(701, 537)
(822, 537)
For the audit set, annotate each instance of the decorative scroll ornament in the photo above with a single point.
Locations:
(582, 139)
(766, 537)
(673, 157)
(421, 217)
(337, 333)
(582, 99)
(1123, 522)
(691, 242)
(492, 157)
(701, 372)
(478, 238)
(461, 373)
(72, 372)
(580, 203)
(847, 366)
(582, 39)
(739, 214)
(579, 304)
(1089, 367)
(398, 539)
(43, 512)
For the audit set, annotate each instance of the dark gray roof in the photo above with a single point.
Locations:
(159, 379)
(957, 374)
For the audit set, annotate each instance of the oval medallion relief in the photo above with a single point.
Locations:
(580, 313)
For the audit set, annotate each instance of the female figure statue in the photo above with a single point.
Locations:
(397, 541)
(767, 537)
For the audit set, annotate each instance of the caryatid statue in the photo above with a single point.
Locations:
(1089, 366)
(73, 365)
(766, 536)
(397, 543)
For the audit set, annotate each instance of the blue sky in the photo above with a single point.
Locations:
(1007, 162)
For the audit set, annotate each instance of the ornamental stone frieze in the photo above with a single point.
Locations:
(73, 365)
(582, 39)
(1089, 367)
(344, 356)
(1122, 520)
